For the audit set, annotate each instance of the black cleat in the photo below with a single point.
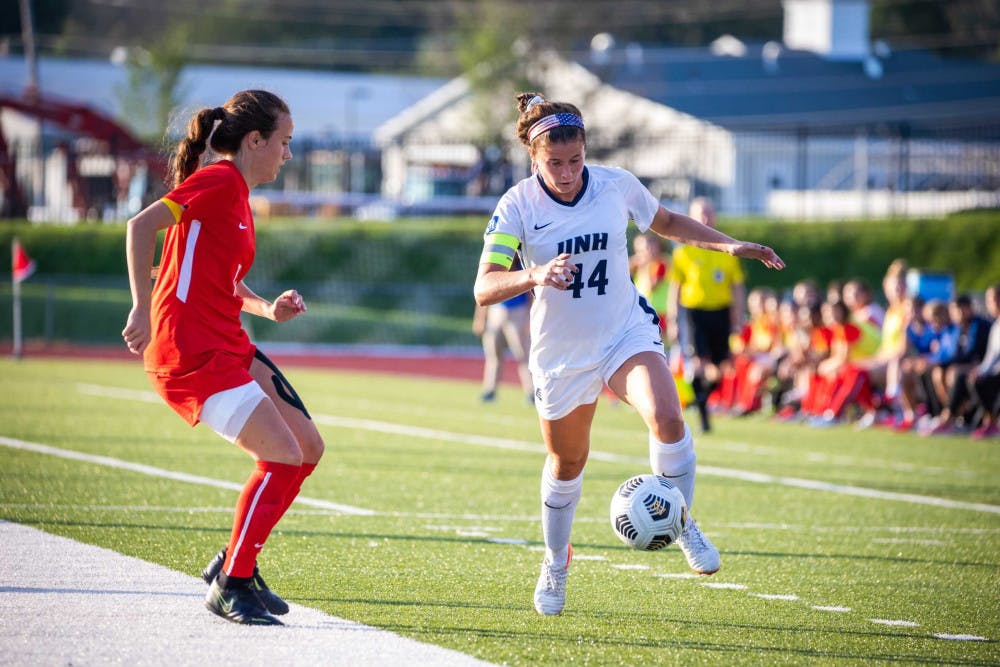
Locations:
(214, 566)
(238, 603)
(271, 602)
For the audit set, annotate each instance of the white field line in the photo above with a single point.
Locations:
(535, 448)
(743, 475)
(160, 472)
(503, 518)
(895, 622)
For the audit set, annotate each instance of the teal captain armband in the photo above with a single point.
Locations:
(499, 249)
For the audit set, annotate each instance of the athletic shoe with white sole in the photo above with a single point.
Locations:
(271, 602)
(701, 554)
(237, 602)
(550, 593)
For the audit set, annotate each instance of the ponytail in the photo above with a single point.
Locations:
(223, 129)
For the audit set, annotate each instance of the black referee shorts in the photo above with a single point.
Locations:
(710, 333)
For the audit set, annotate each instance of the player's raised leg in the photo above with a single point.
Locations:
(645, 382)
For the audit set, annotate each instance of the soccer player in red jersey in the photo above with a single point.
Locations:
(195, 351)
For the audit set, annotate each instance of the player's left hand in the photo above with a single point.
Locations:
(290, 304)
(765, 255)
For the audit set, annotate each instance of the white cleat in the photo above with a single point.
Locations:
(701, 554)
(550, 593)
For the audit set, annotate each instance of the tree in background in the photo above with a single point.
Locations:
(153, 89)
(491, 44)
(969, 28)
(385, 35)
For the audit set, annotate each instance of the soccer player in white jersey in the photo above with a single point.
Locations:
(589, 325)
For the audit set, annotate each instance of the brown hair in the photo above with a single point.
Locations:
(244, 112)
(528, 117)
(897, 268)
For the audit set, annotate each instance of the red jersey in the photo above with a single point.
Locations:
(195, 311)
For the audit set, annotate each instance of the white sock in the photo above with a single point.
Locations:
(559, 499)
(675, 461)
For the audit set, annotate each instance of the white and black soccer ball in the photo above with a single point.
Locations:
(648, 512)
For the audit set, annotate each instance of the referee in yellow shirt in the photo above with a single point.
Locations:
(709, 286)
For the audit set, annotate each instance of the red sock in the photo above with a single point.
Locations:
(257, 510)
(305, 470)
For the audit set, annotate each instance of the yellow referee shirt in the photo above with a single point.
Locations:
(706, 277)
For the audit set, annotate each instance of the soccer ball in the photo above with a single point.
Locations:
(648, 512)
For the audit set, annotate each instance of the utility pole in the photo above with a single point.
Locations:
(28, 39)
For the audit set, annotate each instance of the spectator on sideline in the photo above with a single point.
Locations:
(504, 326)
(568, 224)
(649, 273)
(752, 362)
(197, 354)
(949, 379)
(710, 288)
(882, 369)
(834, 291)
(831, 390)
(806, 293)
(984, 379)
(857, 294)
(865, 314)
(812, 347)
(932, 344)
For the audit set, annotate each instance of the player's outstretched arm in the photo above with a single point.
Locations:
(681, 228)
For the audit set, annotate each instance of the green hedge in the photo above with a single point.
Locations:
(966, 245)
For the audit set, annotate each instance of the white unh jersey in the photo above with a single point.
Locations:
(574, 330)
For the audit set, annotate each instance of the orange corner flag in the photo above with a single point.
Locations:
(22, 266)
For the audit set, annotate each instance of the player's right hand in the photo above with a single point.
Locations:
(136, 332)
(557, 273)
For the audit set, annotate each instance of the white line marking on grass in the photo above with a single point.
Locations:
(535, 448)
(167, 474)
(724, 586)
(893, 622)
(144, 395)
(836, 610)
(483, 529)
(588, 557)
(767, 596)
(679, 575)
(511, 540)
(960, 638)
(629, 566)
(120, 508)
(899, 540)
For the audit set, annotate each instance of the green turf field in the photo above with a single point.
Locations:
(838, 547)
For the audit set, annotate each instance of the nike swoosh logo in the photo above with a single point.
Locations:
(242, 226)
(657, 342)
(537, 227)
(560, 507)
(258, 546)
